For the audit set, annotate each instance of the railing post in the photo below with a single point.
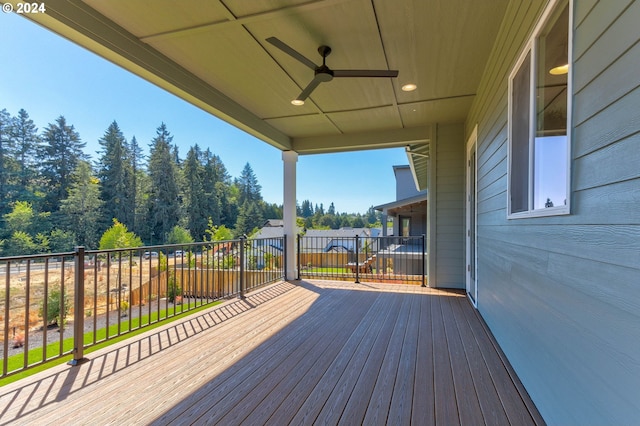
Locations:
(284, 256)
(298, 238)
(243, 239)
(78, 308)
(423, 260)
(357, 259)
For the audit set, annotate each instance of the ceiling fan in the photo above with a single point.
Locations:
(322, 72)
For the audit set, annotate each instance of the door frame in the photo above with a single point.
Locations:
(471, 204)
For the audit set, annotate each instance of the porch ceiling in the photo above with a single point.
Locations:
(214, 55)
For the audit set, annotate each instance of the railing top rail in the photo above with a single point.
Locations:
(35, 256)
(162, 247)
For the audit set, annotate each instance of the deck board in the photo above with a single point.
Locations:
(424, 377)
(482, 381)
(303, 353)
(444, 390)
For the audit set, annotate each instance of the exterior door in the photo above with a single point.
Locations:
(472, 285)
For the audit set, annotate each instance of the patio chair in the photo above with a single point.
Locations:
(363, 267)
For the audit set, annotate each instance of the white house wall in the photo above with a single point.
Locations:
(561, 294)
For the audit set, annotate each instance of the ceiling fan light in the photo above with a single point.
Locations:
(560, 70)
(297, 102)
(410, 87)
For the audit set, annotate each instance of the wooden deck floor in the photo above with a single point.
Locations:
(301, 353)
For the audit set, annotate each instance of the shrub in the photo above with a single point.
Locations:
(54, 316)
(174, 290)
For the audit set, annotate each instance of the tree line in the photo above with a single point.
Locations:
(53, 196)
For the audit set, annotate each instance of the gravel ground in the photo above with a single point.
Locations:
(53, 334)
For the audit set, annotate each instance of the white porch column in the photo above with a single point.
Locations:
(385, 218)
(289, 211)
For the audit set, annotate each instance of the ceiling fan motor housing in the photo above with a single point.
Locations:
(324, 74)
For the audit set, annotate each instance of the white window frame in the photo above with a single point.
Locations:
(531, 48)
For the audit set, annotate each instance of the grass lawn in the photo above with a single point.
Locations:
(149, 322)
(327, 271)
(337, 270)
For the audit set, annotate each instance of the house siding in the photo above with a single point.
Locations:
(449, 208)
(561, 293)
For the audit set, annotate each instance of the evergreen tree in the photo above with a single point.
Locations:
(307, 209)
(272, 211)
(59, 157)
(175, 154)
(116, 177)
(25, 138)
(82, 209)
(358, 222)
(60, 241)
(6, 171)
(24, 179)
(196, 201)
(251, 214)
(138, 183)
(163, 204)
(332, 210)
(371, 216)
(216, 183)
(248, 186)
(249, 218)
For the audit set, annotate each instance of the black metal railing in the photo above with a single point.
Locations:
(56, 305)
(386, 259)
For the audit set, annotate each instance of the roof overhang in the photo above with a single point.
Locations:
(411, 204)
(214, 55)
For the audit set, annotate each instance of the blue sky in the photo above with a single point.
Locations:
(49, 76)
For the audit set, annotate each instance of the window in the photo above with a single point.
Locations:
(539, 120)
(405, 226)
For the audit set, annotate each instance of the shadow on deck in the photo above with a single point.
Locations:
(293, 353)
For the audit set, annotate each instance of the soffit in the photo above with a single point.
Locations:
(214, 54)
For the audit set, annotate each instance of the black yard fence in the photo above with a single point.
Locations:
(57, 305)
(361, 258)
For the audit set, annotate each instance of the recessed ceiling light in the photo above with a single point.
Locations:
(562, 69)
(297, 102)
(409, 87)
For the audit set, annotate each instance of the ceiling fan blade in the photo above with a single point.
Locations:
(307, 90)
(365, 73)
(289, 51)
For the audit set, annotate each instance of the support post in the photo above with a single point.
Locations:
(78, 309)
(289, 211)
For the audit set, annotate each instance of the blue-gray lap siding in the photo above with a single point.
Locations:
(449, 206)
(562, 294)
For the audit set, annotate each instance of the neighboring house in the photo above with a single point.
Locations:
(523, 126)
(266, 240)
(336, 240)
(272, 228)
(409, 210)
